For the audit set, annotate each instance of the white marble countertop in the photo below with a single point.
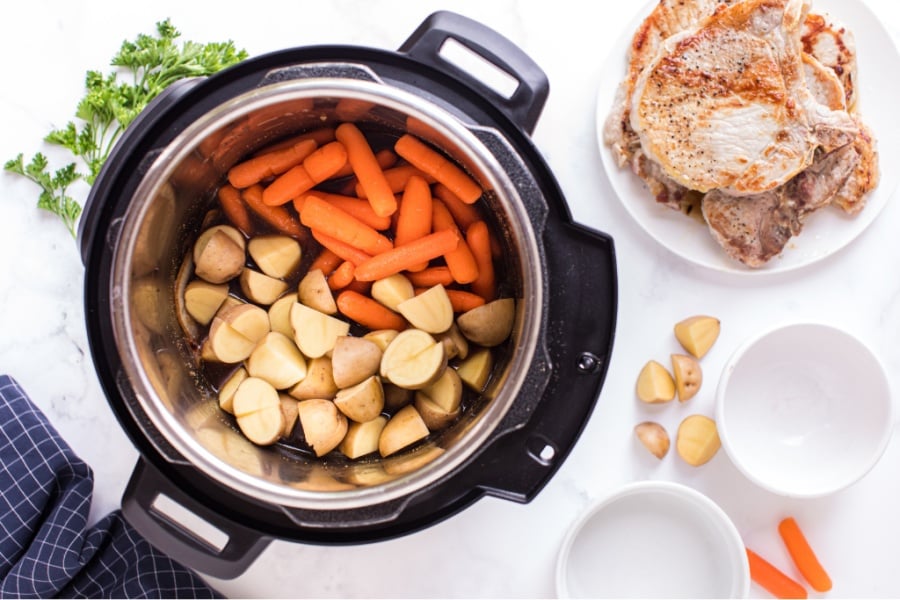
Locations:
(494, 548)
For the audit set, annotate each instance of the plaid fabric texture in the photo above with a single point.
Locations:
(46, 547)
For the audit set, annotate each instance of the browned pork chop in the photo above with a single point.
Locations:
(833, 45)
(753, 229)
(725, 106)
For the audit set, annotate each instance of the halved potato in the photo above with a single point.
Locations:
(226, 392)
(275, 255)
(313, 291)
(403, 429)
(362, 402)
(315, 332)
(258, 411)
(489, 324)
(324, 426)
(353, 360)
(413, 360)
(235, 332)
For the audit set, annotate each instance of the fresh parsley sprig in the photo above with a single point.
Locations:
(111, 103)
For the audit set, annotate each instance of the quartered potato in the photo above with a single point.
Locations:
(353, 360)
(219, 254)
(203, 299)
(655, 384)
(489, 324)
(226, 392)
(362, 402)
(403, 429)
(392, 291)
(324, 426)
(260, 288)
(430, 311)
(318, 383)
(381, 337)
(277, 360)
(476, 369)
(362, 438)
(257, 408)
(235, 332)
(289, 410)
(313, 291)
(280, 315)
(315, 332)
(276, 255)
(697, 334)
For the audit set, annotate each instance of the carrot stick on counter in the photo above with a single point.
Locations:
(803, 556)
(315, 168)
(368, 312)
(235, 209)
(359, 208)
(344, 251)
(408, 255)
(367, 170)
(327, 261)
(442, 169)
(460, 261)
(276, 216)
(431, 277)
(270, 164)
(479, 239)
(342, 276)
(768, 577)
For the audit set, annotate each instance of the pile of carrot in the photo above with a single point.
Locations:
(372, 212)
(776, 581)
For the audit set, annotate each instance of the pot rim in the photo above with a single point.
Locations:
(529, 318)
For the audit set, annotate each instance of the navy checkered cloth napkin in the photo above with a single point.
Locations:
(46, 547)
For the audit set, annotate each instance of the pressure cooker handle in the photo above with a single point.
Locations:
(582, 307)
(176, 539)
(524, 105)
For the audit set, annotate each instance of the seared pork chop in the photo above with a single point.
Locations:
(753, 229)
(725, 106)
(833, 45)
(851, 198)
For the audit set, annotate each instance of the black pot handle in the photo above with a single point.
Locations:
(175, 539)
(525, 104)
(581, 325)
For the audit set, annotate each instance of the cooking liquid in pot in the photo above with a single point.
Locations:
(213, 374)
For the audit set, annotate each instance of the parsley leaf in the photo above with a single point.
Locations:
(111, 102)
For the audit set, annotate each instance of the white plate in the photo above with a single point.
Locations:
(653, 539)
(804, 410)
(825, 232)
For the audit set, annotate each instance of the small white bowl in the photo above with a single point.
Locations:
(653, 539)
(804, 410)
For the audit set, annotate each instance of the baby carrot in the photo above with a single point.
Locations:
(272, 163)
(326, 218)
(342, 276)
(357, 207)
(235, 209)
(460, 261)
(327, 261)
(385, 157)
(461, 300)
(479, 239)
(767, 576)
(464, 214)
(345, 251)
(431, 277)
(316, 168)
(414, 215)
(326, 161)
(433, 163)
(402, 257)
(320, 136)
(276, 216)
(803, 556)
(368, 312)
(397, 178)
(366, 168)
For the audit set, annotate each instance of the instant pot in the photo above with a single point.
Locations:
(148, 204)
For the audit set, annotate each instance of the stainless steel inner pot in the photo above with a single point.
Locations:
(161, 223)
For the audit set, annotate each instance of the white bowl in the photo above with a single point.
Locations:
(653, 539)
(804, 410)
